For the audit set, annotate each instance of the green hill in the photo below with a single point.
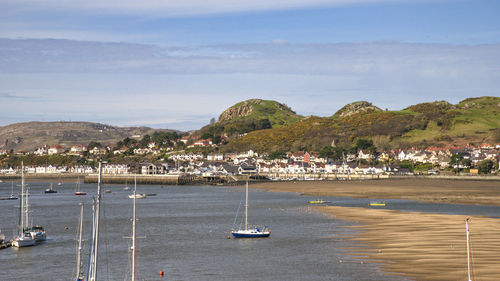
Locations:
(473, 120)
(31, 135)
(248, 116)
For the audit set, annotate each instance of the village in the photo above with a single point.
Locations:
(449, 160)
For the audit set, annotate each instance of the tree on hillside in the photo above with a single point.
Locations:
(362, 144)
(278, 154)
(145, 141)
(93, 144)
(334, 153)
(485, 166)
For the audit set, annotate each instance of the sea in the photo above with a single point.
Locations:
(183, 231)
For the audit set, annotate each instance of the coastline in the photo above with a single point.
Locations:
(423, 190)
(421, 246)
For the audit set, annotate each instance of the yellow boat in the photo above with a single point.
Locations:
(319, 201)
(378, 203)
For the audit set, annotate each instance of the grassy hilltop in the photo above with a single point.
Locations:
(473, 120)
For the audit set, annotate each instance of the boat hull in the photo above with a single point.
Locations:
(23, 242)
(80, 193)
(252, 233)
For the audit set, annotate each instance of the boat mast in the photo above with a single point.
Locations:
(95, 234)
(468, 249)
(23, 198)
(246, 206)
(133, 231)
(78, 257)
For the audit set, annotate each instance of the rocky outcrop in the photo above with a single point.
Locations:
(356, 107)
(239, 110)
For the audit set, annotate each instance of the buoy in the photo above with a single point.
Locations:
(161, 273)
(228, 237)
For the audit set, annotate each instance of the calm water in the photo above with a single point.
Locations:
(186, 229)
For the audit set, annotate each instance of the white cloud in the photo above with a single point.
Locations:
(183, 87)
(163, 8)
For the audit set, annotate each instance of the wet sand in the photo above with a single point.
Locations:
(425, 190)
(422, 246)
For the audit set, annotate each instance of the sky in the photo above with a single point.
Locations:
(177, 64)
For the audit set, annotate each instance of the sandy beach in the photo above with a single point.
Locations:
(422, 246)
(425, 190)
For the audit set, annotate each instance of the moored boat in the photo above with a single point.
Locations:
(249, 232)
(78, 192)
(23, 238)
(138, 196)
(318, 201)
(50, 189)
(378, 203)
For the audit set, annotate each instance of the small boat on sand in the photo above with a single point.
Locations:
(318, 201)
(378, 203)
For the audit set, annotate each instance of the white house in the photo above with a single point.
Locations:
(56, 149)
(116, 169)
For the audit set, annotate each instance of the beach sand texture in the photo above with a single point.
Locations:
(424, 246)
(428, 190)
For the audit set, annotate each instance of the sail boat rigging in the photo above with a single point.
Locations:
(250, 232)
(78, 191)
(23, 238)
(79, 273)
(94, 244)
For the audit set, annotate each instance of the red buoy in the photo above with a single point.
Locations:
(161, 273)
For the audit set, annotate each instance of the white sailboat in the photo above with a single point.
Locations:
(37, 232)
(23, 238)
(79, 273)
(94, 248)
(134, 232)
(78, 191)
(137, 195)
(250, 232)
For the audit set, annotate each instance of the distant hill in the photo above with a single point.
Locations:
(251, 115)
(474, 120)
(30, 135)
(265, 125)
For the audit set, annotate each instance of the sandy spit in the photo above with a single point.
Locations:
(425, 190)
(422, 246)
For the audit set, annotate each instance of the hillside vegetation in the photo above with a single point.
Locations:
(250, 115)
(30, 135)
(473, 120)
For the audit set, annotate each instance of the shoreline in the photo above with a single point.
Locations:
(417, 245)
(422, 246)
(422, 190)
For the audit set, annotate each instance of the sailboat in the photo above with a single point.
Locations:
(137, 195)
(94, 242)
(50, 189)
(79, 273)
(249, 232)
(126, 188)
(12, 196)
(134, 236)
(23, 238)
(77, 191)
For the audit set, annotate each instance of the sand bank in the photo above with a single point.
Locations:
(424, 246)
(429, 190)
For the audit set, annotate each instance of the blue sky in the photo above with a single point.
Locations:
(176, 64)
